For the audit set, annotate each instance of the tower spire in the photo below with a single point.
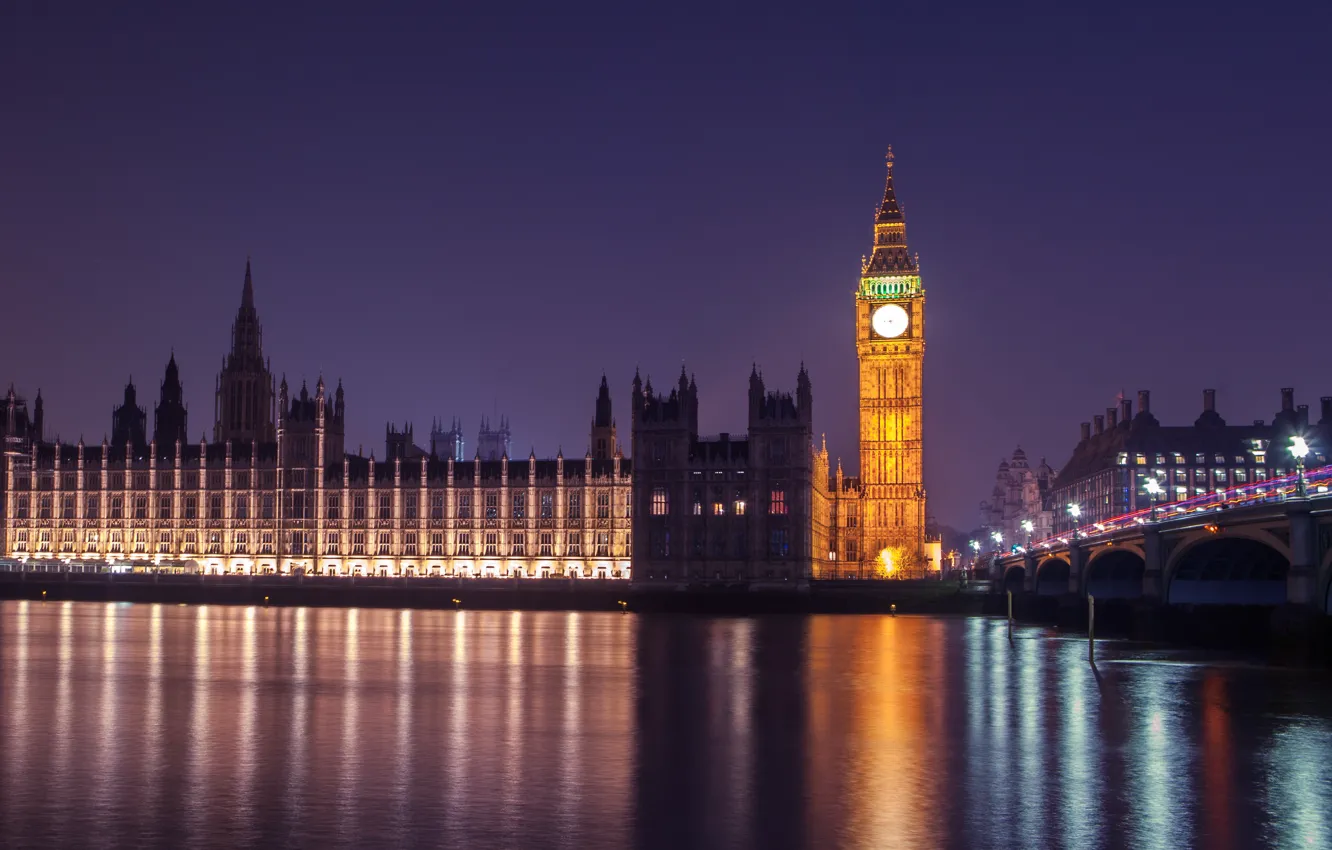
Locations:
(247, 294)
(891, 255)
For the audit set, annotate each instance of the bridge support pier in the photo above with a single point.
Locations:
(1077, 565)
(1302, 577)
(1153, 573)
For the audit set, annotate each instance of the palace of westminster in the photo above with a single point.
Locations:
(275, 490)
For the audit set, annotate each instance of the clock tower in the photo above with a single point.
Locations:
(890, 349)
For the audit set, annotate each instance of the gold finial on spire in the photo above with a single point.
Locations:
(889, 157)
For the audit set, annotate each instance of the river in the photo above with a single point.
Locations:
(171, 726)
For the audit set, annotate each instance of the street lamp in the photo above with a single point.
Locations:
(1028, 526)
(998, 539)
(1299, 449)
(1153, 490)
(1075, 511)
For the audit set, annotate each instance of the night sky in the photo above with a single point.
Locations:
(478, 209)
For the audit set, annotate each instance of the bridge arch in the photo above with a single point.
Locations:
(1015, 578)
(1115, 572)
(1052, 576)
(1228, 569)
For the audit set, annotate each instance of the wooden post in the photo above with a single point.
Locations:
(1091, 629)
(1010, 606)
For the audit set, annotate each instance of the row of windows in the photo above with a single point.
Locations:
(298, 506)
(1201, 458)
(166, 480)
(302, 542)
(661, 502)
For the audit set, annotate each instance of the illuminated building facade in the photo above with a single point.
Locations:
(1120, 451)
(731, 509)
(276, 492)
(890, 348)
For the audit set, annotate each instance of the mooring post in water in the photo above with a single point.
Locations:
(1010, 606)
(1091, 628)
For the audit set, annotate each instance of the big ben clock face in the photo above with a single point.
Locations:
(889, 321)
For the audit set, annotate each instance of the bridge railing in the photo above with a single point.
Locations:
(1318, 484)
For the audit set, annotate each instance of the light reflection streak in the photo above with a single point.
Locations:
(16, 715)
(201, 731)
(402, 755)
(741, 697)
(511, 796)
(109, 749)
(351, 751)
(1299, 780)
(299, 752)
(1031, 740)
(1159, 787)
(249, 743)
(1080, 777)
(570, 765)
(456, 761)
(60, 745)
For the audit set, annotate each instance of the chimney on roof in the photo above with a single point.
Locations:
(1111, 418)
(1209, 401)
(1302, 415)
(1125, 409)
(1326, 418)
(1086, 431)
(1287, 398)
(1100, 424)
(1144, 401)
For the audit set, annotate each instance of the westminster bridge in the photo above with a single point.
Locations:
(1268, 545)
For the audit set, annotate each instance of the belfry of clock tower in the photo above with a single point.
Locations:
(890, 348)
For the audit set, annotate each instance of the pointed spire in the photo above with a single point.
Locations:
(247, 294)
(890, 255)
(889, 208)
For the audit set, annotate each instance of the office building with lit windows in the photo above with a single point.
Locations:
(1120, 451)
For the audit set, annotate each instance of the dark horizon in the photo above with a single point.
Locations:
(463, 212)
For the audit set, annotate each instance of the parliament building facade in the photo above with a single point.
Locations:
(275, 492)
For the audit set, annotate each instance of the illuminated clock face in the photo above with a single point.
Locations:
(889, 321)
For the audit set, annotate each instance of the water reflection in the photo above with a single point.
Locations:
(175, 726)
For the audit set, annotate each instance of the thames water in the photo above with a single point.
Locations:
(172, 726)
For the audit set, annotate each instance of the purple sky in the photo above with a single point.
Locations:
(467, 211)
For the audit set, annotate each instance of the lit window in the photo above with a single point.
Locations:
(409, 542)
(358, 543)
(266, 543)
(519, 505)
(547, 544)
(603, 544)
(332, 542)
(719, 509)
(777, 501)
(465, 544)
(575, 544)
(518, 545)
(661, 502)
(383, 544)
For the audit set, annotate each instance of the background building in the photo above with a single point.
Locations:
(730, 508)
(1020, 494)
(1119, 451)
(276, 491)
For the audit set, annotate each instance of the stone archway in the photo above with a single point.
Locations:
(1228, 570)
(1052, 577)
(1115, 573)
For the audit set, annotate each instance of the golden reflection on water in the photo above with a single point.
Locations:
(178, 726)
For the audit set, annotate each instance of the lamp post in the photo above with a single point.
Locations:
(998, 540)
(1153, 490)
(1075, 511)
(1299, 449)
(975, 554)
(1028, 526)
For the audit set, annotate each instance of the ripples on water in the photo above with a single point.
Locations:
(146, 725)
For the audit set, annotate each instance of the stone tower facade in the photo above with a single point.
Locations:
(890, 348)
(245, 384)
(602, 442)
